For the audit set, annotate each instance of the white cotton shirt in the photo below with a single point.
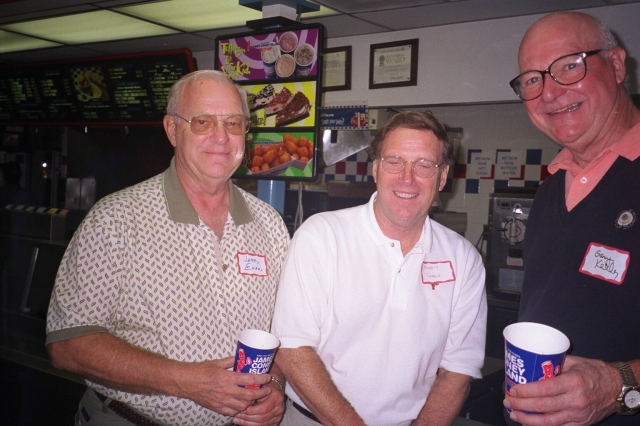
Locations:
(372, 315)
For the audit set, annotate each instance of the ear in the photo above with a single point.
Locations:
(374, 170)
(443, 177)
(618, 56)
(170, 128)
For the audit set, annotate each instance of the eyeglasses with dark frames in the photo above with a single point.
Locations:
(566, 70)
(422, 168)
(236, 124)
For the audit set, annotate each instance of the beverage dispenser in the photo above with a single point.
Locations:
(508, 215)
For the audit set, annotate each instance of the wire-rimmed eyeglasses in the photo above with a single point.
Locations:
(236, 124)
(567, 69)
(421, 168)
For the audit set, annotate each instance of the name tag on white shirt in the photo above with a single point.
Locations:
(252, 264)
(606, 263)
(435, 273)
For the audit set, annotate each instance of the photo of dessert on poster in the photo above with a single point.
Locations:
(282, 104)
(278, 154)
(283, 54)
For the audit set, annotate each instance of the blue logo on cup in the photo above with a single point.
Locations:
(532, 352)
(259, 363)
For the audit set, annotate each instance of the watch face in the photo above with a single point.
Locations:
(632, 399)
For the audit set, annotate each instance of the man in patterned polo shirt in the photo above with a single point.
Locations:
(152, 290)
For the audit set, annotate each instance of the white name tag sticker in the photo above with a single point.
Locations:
(435, 273)
(252, 264)
(606, 263)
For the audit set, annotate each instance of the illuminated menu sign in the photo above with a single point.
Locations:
(281, 73)
(128, 89)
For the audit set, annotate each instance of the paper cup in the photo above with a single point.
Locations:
(305, 56)
(255, 352)
(288, 42)
(532, 352)
(269, 57)
(285, 66)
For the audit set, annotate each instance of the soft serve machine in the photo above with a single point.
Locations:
(508, 215)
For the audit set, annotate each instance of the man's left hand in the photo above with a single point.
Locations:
(267, 411)
(583, 394)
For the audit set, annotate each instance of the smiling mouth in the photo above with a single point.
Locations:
(404, 195)
(570, 108)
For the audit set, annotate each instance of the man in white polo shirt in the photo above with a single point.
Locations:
(381, 311)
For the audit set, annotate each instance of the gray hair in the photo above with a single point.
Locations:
(608, 39)
(176, 90)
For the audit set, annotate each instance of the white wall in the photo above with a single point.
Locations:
(461, 63)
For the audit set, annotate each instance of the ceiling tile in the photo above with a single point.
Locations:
(354, 6)
(345, 25)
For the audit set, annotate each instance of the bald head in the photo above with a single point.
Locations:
(584, 111)
(583, 28)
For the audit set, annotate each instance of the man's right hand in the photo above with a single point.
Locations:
(106, 359)
(211, 385)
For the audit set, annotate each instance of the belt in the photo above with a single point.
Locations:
(308, 414)
(126, 412)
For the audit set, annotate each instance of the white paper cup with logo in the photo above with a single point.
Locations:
(305, 56)
(255, 352)
(532, 352)
(285, 66)
(288, 42)
(269, 57)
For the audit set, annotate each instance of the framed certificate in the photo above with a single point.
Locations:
(337, 69)
(393, 64)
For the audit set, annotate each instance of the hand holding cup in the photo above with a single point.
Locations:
(255, 352)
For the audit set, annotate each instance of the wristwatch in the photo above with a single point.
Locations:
(629, 397)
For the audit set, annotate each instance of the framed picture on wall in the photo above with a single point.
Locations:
(393, 64)
(337, 69)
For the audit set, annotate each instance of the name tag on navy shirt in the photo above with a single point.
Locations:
(605, 263)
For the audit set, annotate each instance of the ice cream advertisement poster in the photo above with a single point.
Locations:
(282, 104)
(278, 154)
(275, 55)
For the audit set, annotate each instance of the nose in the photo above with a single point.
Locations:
(551, 89)
(220, 134)
(407, 173)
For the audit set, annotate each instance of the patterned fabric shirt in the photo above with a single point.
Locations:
(143, 267)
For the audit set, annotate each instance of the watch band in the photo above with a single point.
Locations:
(630, 390)
(628, 378)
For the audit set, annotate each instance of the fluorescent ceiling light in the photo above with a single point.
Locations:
(10, 42)
(88, 27)
(195, 15)
(198, 15)
(171, 16)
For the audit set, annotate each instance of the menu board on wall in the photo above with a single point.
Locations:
(114, 90)
(281, 73)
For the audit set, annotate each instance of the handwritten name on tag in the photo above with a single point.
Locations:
(252, 264)
(606, 263)
(435, 273)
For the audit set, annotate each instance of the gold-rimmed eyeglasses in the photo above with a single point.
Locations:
(421, 168)
(236, 124)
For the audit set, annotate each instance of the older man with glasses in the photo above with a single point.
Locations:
(381, 311)
(582, 246)
(153, 287)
